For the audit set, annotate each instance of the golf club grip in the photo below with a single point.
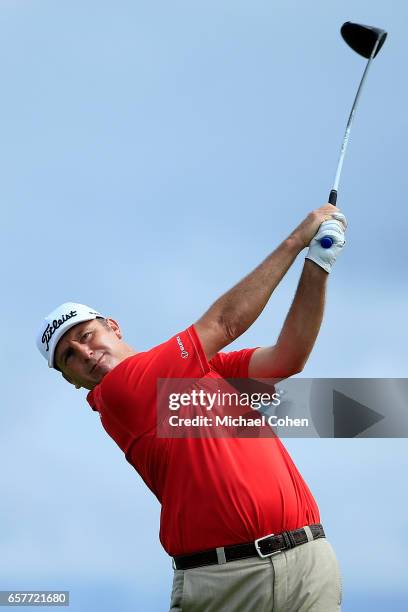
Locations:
(333, 197)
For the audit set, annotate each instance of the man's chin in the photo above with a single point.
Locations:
(105, 366)
(91, 384)
(101, 371)
(99, 376)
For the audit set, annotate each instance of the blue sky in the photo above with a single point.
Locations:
(152, 154)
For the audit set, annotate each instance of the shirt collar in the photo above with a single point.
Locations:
(94, 398)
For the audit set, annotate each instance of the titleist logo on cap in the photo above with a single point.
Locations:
(51, 328)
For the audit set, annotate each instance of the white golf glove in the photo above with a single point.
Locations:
(325, 258)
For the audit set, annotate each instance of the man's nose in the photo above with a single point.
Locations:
(83, 350)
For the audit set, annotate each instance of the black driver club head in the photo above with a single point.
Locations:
(362, 38)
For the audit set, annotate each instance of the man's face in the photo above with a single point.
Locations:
(88, 351)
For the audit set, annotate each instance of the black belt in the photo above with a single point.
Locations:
(262, 547)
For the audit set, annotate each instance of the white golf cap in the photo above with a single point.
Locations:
(58, 322)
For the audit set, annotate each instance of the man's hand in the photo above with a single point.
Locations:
(333, 229)
(306, 231)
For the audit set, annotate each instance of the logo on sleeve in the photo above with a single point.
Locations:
(183, 353)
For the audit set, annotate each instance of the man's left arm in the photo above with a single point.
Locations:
(299, 332)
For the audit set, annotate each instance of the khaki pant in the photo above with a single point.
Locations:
(302, 579)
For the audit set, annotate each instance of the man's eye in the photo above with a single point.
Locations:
(85, 335)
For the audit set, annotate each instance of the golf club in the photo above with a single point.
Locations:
(366, 41)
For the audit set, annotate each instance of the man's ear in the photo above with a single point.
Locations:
(115, 327)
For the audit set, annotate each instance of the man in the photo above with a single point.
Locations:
(221, 498)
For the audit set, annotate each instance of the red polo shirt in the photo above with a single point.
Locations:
(213, 491)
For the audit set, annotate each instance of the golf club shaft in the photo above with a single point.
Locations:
(333, 192)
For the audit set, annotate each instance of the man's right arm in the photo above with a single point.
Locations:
(234, 312)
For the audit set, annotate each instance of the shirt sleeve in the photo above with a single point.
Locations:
(234, 364)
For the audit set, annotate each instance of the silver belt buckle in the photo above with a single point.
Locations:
(258, 548)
